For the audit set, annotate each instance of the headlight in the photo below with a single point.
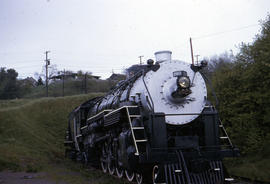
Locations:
(184, 82)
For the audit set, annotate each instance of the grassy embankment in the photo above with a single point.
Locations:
(32, 134)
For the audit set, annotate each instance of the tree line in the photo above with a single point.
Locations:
(60, 84)
(242, 85)
(11, 87)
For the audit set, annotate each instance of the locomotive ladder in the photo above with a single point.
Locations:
(137, 131)
(223, 133)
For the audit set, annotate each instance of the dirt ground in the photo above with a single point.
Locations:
(8, 177)
(57, 176)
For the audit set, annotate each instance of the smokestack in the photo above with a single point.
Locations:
(161, 56)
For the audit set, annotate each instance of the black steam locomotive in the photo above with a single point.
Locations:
(157, 126)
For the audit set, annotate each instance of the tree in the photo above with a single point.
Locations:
(52, 70)
(8, 84)
(81, 74)
(40, 82)
(242, 87)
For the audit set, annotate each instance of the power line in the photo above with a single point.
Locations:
(23, 61)
(109, 67)
(223, 32)
(18, 52)
(18, 67)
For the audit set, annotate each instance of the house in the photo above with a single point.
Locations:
(117, 77)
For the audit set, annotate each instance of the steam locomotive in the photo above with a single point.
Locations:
(157, 126)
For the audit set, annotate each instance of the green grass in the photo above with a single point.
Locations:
(31, 139)
(32, 131)
(255, 168)
(7, 104)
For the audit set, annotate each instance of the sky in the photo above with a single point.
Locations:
(105, 36)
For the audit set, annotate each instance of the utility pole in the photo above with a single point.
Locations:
(47, 63)
(192, 58)
(197, 57)
(63, 78)
(140, 59)
(85, 82)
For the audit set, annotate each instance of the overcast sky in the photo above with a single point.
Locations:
(105, 35)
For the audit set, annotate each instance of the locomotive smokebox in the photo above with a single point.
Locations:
(161, 56)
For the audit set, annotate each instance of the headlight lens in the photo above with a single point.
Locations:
(184, 82)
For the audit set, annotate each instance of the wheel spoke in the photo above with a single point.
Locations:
(139, 178)
(119, 172)
(103, 165)
(130, 175)
(103, 158)
(111, 168)
(154, 173)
